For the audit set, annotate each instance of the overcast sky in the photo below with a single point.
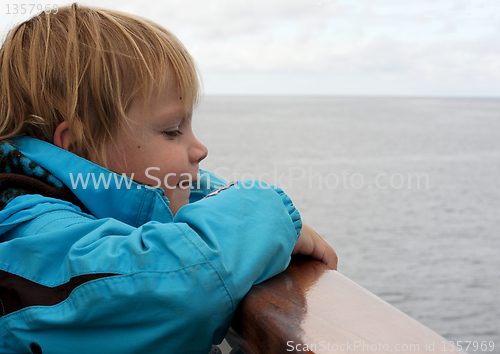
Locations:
(331, 47)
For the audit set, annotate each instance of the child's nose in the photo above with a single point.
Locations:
(198, 152)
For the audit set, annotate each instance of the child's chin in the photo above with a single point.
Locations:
(176, 204)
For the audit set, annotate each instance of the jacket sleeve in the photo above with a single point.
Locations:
(103, 286)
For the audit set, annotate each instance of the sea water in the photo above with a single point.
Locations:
(405, 189)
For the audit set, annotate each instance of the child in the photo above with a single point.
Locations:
(149, 258)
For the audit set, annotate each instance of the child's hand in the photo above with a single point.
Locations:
(311, 244)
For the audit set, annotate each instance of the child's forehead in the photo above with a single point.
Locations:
(166, 94)
(160, 107)
(170, 113)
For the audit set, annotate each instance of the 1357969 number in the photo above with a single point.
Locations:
(21, 9)
(466, 345)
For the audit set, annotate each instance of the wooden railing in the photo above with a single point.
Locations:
(311, 309)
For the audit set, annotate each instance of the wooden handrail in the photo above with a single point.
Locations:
(311, 309)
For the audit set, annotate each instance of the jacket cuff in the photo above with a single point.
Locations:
(292, 211)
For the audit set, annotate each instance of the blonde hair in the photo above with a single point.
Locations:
(85, 65)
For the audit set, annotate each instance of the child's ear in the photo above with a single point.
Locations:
(63, 138)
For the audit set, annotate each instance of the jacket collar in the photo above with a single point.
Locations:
(103, 192)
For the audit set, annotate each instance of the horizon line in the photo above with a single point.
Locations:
(349, 96)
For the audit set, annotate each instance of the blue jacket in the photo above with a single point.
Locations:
(115, 272)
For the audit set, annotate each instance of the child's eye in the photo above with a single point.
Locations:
(172, 133)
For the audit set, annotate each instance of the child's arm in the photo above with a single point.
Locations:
(309, 242)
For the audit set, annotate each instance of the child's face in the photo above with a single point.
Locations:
(162, 150)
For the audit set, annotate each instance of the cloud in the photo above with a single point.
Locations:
(443, 43)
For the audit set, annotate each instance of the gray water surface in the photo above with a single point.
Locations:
(405, 190)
